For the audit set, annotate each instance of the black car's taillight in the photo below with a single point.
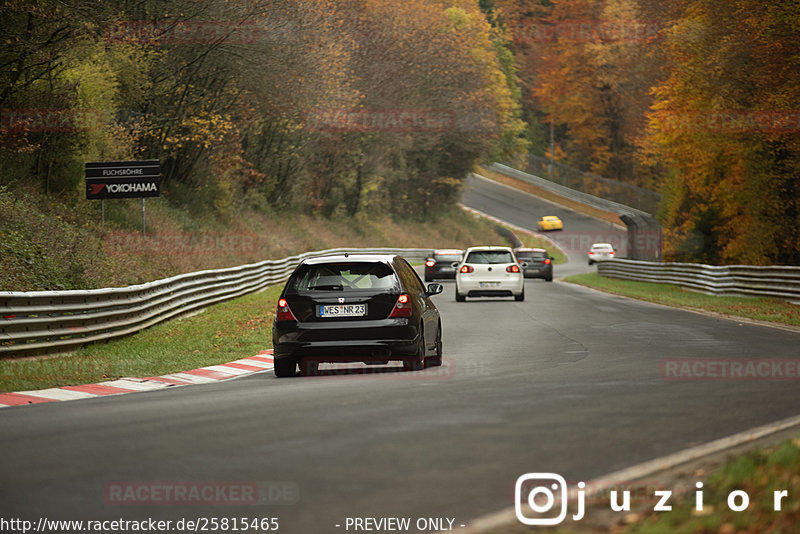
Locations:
(284, 313)
(402, 308)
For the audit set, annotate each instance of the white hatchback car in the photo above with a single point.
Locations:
(489, 272)
(601, 251)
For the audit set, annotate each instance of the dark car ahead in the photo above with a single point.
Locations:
(356, 308)
(539, 263)
(440, 265)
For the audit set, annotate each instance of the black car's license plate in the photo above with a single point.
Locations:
(343, 310)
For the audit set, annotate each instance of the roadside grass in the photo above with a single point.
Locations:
(52, 244)
(761, 309)
(224, 332)
(759, 474)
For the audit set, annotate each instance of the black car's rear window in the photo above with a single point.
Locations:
(490, 256)
(343, 277)
(538, 256)
(447, 257)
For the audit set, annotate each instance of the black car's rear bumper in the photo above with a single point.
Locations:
(345, 341)
(440, 273)
(537, 273)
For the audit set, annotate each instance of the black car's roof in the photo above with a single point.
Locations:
(353, 258)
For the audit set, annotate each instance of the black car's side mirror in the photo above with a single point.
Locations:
(523, 264)
(434, 289)
(454, 265)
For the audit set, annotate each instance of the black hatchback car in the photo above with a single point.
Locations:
(440, 265)
(539, 263)
(356, 308)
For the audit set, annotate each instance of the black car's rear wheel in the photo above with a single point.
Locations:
(435, 361)
(285, 368)
(417, 363)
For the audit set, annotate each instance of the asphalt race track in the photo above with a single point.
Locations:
(522, 209)
(570, 381)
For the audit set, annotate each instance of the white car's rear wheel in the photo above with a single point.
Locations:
(459, 296)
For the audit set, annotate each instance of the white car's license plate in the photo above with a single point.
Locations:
(343, 310)
(489, 284)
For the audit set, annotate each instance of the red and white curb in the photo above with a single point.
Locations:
(261, 362)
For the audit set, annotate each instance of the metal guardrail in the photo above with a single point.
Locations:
(43, 322)
(743, 280)
(644, 231)
(594, 184)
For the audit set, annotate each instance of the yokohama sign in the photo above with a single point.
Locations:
(122, 179)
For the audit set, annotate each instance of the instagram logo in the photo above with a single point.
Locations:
(537, 490)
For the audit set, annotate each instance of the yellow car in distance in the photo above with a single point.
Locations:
(550, 222)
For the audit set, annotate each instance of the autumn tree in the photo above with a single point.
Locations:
(725, 123)
(221, 93)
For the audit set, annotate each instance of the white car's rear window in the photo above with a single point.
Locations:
(489, 257)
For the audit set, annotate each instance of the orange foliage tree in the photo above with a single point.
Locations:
(726, 123)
